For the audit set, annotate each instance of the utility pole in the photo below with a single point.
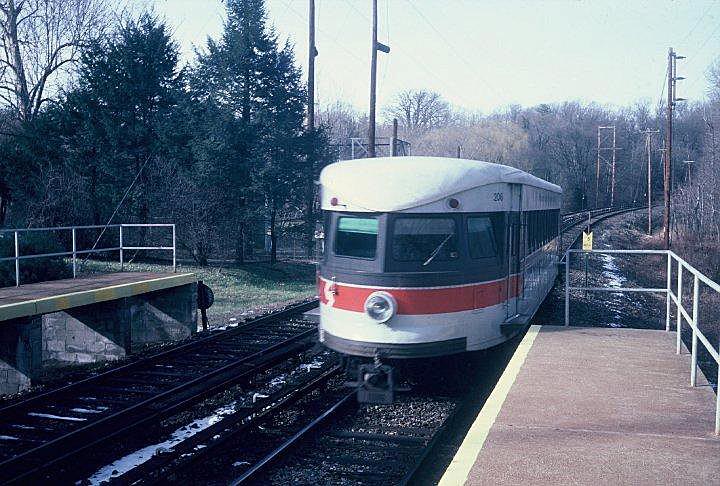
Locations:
(312, 53)
(601, 139)
(373, 80)
(376, 46)
(612, 184)
(688, 163)
(648, 148)
(394, 138)
(671, 100)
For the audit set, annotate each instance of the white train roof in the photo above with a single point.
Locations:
(387, 184)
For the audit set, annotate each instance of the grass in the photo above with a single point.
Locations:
(237, 288)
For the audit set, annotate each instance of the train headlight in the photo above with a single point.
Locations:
(380, 306)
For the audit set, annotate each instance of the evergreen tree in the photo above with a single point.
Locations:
(249, 76)
(129, 85)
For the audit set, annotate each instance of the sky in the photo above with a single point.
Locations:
(483, 55)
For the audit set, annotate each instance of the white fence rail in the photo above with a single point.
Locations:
(74, 253)
(692, 319)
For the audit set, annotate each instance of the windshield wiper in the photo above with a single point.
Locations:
(437, 250)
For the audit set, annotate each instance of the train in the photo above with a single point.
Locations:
(429, 256)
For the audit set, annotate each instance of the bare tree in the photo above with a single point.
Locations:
(40, 40)
(420, 110)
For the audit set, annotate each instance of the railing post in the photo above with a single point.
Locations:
(174, 250)
(717, 403)
(17, 261)
(567, 288)
(74, 250)
(667, 295)
(678, 325)
(695, 319)
(122, 262)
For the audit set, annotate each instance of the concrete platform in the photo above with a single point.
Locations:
(45, 297)
(593, 406)
(90, 319)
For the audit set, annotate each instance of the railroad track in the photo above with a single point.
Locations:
(572, 220)
(51, 428)
(192, 454)
(351, 445)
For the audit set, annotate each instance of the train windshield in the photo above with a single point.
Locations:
(356, 237)
(424, 240)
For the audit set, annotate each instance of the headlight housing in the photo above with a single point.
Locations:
(380, 306)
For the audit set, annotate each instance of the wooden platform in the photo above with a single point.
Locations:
(45, 297)
(593, 406)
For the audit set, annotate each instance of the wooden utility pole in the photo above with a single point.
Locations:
(376, 46)
(373, 80)
(312, 52)
(672, 79)
(393, 151)
(648, 148)
(597, 173)
(668, 151)
(612, 183)
(601, 158)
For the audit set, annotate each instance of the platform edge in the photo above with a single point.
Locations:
(459, 469)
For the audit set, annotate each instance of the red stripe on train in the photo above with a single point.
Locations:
(423, 300)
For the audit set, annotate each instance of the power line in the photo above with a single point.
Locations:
(452, 48)
(417, 61)
(697, 23)
(696, 80)
(304, 18)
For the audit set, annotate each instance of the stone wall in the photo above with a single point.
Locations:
(86, 334)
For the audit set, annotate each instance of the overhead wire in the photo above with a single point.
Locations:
(413, 58)
(450, 46)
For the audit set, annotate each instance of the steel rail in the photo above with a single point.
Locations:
(164, 403)
(413, 475)
(35, 461)
(295, 438)
(183, 348)
(222, 432)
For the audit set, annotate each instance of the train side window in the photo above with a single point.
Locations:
(481, 237)
(424, 240)
(356, 237)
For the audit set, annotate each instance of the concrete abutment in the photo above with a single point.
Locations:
(102, 331)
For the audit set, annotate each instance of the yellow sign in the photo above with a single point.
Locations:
(587, 241)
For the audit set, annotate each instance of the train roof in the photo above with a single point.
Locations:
(386, 184)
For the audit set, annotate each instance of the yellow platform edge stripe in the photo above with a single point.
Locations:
(459, 468)
(85, 297)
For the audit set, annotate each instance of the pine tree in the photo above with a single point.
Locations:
(247, 74)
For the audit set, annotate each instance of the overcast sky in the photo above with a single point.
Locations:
(486, 54)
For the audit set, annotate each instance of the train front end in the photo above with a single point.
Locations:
(410, 268)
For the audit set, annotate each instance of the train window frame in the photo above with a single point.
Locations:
(493, 236)
(336, 227)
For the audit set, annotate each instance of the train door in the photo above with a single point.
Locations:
(514, 279)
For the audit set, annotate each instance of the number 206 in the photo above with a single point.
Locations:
(497, 196)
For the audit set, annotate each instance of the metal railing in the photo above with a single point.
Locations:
(671, 296)
(74, 253)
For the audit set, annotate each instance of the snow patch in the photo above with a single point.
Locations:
(57, 417)
(611, 273)
(138, 457)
